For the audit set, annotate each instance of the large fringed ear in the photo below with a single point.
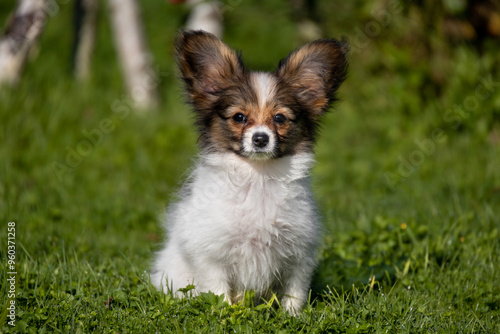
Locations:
(314, 72)
(207, 65)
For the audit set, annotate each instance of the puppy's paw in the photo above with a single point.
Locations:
(293, 305)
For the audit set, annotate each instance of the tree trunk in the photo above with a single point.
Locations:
(141, 81)
(85, 21)
(22, 32)
(205, 15)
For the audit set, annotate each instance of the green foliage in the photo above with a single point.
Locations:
(407, 182)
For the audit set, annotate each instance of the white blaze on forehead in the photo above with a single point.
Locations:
(265, 87)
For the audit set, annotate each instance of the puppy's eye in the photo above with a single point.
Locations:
(279, 119)
(239, 118)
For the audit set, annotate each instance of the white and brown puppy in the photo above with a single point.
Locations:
(246, 219)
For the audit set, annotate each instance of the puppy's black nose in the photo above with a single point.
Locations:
(260, 139)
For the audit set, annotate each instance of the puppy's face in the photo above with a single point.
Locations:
(254, 122)
(254, 114)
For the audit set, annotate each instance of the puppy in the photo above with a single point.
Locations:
(246, 219)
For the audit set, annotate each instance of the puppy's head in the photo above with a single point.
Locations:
(259, 115)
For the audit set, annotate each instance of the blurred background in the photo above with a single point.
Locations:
(89, 158)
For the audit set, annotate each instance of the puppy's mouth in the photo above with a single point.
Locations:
(259, 156)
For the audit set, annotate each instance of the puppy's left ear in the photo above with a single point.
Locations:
(314, 73)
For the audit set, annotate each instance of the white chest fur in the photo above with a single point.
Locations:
(241, 225)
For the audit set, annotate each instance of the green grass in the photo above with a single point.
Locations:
(412, 221)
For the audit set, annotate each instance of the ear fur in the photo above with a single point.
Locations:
(314, 72)
(208, 66)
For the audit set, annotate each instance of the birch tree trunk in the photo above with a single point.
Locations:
(205, 15)
(141, 80)
(22, 32)
(85, 20)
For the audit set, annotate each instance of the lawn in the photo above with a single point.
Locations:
(407, 181)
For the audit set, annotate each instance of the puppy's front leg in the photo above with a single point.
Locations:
(214, 279)
(296, 291)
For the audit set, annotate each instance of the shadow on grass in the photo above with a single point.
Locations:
(336, 273)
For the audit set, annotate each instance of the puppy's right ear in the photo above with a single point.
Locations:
(208, 66)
